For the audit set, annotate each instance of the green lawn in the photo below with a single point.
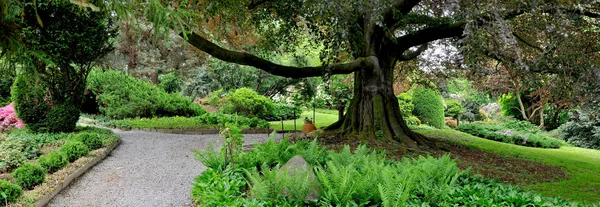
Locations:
(582, 166)
(323, 118)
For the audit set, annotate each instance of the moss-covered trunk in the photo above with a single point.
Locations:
(375, 108)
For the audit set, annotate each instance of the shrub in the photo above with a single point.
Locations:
(246, 102)
(121, 96)
(222, 119)
(8, 118)
(91, 140)
(29, 175)
(53, 161)
(405, 102)
(74, 150)
(429, 107)
(11, 191)
(582, 130)
(453, 108)
(33, 105)
(451, 123)
(283, 111)
(5, 82)
(413, 121)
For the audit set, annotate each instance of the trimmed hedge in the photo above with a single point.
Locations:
(92, 141)
(53, 161)
(74, 150)
(429, 107)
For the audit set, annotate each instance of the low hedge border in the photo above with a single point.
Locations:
(42, 194)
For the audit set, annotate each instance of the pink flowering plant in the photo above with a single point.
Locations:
(9, 119)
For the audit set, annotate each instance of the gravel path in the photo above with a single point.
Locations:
(146, 169)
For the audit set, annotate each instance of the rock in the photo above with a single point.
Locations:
(297, 166)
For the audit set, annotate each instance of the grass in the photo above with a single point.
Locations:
(323, 118)
(161, 123)
(582, 166)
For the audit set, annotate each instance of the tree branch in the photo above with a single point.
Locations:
(430, 34)
(248, 59)
(413, 54)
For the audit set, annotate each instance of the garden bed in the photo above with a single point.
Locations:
(57, 177)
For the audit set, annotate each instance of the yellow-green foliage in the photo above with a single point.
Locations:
(429, 107)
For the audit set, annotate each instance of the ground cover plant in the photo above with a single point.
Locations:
(362, 177)
(513, 131)
(28, 158)
(204, 121)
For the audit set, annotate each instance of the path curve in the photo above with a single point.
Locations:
(146, 169)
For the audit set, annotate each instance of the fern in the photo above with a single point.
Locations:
(210, 157)
(395, 189)
(268, 186)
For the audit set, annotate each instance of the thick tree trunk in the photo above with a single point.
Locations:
(375, 108)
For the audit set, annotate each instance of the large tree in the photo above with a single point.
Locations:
(379, 34)
(368, 38)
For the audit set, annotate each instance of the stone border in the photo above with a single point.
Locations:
(48, 197)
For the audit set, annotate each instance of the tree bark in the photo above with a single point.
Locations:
(374, 107)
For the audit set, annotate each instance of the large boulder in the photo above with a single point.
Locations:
(297, 166)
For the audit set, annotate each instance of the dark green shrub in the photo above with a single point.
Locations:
(406, 105)
(247, 102)
(121, 96)
(11, 191)
(429, 107)
(29, 175)
(53, 161)
(91, 140)
(582, 130)
(74, 150)
(34, 107)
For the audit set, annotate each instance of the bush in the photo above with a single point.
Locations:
(5, 82)
(91, 140)
(74, 150)
(121, 96)
(53, 161)
(29, 175)
(453, 108)
(582, 130)
(413, 121)
(11, 191)
(9, 119)
(283, 111)
(246, 102)
(221, 119)
(510, 106)
(429, 107)
(405, 102)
